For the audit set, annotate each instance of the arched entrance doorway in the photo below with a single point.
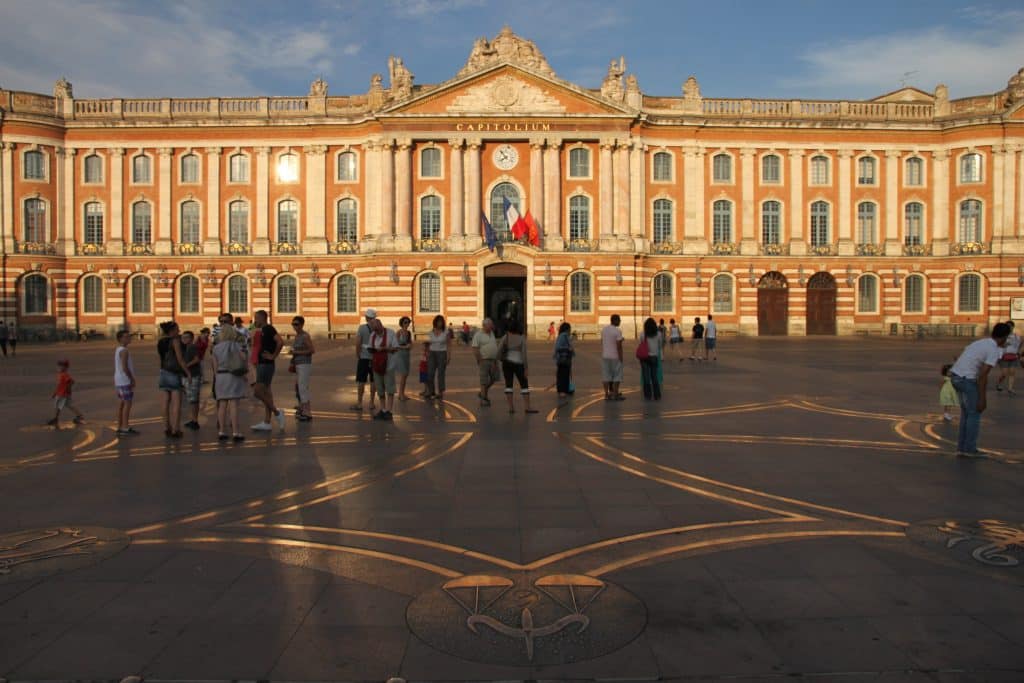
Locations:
(821, 304)
(773, 304)
(505, 294)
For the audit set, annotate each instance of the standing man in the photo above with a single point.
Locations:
(485, 349)
(383, 345)
(698, 340)
(969, 375)
(611, 360)
(364, 358)
(266, 347)
(710, 339)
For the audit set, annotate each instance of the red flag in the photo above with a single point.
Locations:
(532, 233)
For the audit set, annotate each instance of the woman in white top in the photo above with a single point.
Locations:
(650, 366)
(514, 364)
(437, 360)
(1008, 362)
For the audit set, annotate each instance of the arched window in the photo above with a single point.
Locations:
(663, 295)
(721, 168)
(188, 294)
(771, 222)
(190, 222)
(662, 166)
(579, 218)
(820, 224)
(142, 171)
(37, 294)
(430, 163)
(288, 168)
(142, 223)
(346, 294)
(579, 162)
(867, 225)
(721, 288)
(914, 172)
(913, 294)
(348, 221)
(36, 228)
(819, 170)
(970, 168)
(662, 221)
(771, 169)
(867, 294)
(190, 168)
(35, 165)
(721, 222)
(347, 166)
(913, 224)
(430, 293)
(500, 192)
(238, 222)
(866, 171)
(579, 292)
(288, 221)
(287, 294)
(93, 223)
(238, 168)
(238, 294)
(969, 293)
(141, 294)
(94, 168)
(92, 294)
(430, 217)
(970, 221)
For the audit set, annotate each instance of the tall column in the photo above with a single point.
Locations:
(695, 239)
(261, 246)
(637, 199)
(211, 240)
(797, 240)
(606, 187)
(115, 243)
(371, 203)
(537, 179)
(892, 204)
(1010, 193)
(403, 195)
(387, 192)
(473, 237)
(844, 159)
(622, 198)
(1019, 185)
(165, 236)
(66, 198)
(553, 240)
(940, 203)
(457, 179)
(315, 241)
(748, 243)
(998, 200)
(7, 195)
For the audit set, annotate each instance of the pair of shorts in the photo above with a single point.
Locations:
(192, 386)
(1008, 363)
(611, 370)
(126, 392)
(489, 372)
(364, 371)
(674, 340)
(265, 373)
(61, 402)
(709, 342)
(170, 381)
(384, 383)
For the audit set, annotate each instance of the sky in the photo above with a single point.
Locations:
(789, 49)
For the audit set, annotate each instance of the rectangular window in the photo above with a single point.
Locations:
(819, 170)
(93, 300)
(35, 166)
(770, 223)
(913, 294)
(94, 169)
(140, 295)
(579, 162)
(662, 166)
(190, 168)
(430, 163)
(914, 172)
(866, 171)
(867, 294)
(238, 226)
(238, 168)
(722, 292)
(913, 228)
(141, 169)
(970, 294)
(579, 293)
(430, 293)
(93, 223)
(188, 289)
(721, 167)
(771, 169)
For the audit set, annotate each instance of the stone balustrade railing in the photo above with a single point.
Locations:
(810, 109)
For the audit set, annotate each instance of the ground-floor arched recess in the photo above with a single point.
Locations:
(821, 304)
(773, 304)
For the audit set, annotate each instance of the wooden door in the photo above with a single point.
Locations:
(772, 312)
(821, 304)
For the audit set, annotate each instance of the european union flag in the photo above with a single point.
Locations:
(489, 236)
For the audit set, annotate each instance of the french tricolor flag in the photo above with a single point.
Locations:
(514, 221)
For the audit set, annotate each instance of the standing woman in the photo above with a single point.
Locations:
(1008, 361)
(514, 364)
(231, 368)
(564, 353)
(404, 337)
(172, 370)
(302, 359)
(440, 354)
(651, 366)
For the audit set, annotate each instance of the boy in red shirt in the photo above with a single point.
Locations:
(62, 395)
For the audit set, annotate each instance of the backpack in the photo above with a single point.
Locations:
(234, 363)
(169, 362)
(643, 351)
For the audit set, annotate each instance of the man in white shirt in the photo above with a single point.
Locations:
(710, 339)
(485, 349)
(969, 375)
(611, 360)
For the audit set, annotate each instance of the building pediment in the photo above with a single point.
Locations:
(907, 94)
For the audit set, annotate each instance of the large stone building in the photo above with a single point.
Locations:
(778, 216)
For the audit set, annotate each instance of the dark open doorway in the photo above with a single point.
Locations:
(505, 295)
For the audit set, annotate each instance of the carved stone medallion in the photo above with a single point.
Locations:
(36, 553)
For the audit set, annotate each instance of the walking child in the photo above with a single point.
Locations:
(947, 395)
(124, 383)
(62, 395)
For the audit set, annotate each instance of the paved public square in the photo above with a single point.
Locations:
(793, 510)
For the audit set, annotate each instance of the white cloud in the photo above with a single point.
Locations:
(976, 57)
(419, 9)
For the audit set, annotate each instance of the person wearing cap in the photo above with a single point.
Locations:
(969, 375)
(62, 395)
(364, 360)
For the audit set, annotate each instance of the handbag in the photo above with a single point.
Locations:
(380, 358)
(1009, 357)
(234, 363)
(169, 362)
(643, 351)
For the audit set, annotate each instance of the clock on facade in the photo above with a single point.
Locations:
(506, 157)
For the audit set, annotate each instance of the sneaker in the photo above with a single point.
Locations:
(238, 438)
(380, 416)
(52, 423)
(280, 419)
(947, 417)
(192, 424)
(388, 416)
(223, 437)
(262, 427)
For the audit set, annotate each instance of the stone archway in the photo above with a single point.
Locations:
(773, 304)
(505, 294)
(821, 304)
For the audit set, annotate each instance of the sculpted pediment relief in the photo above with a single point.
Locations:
(506, 95)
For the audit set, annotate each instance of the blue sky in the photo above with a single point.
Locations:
(779, 48)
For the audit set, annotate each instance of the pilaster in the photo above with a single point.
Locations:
(797, 220)
(315, 241)
(162, 245)
(211, 239)
(387, 193)
(473, 211)
(457, 181)
(695, 239)
(261, 245)
(998, 199)
(537, 179)
(606, 188)
(893, 247)
(66, 200)
(7, 195)
(748, 243)
(372, 200)
(637, 198)
(844, 160)
(115, 242)
(940, 202)
(553, 239)
(403, 195)
(622, 198)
